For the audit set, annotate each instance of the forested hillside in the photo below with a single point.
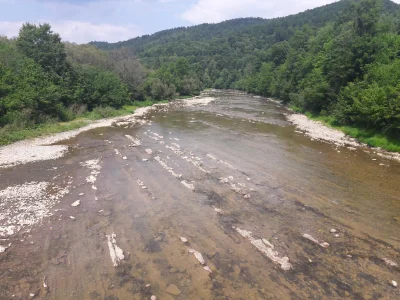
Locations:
(340, 61)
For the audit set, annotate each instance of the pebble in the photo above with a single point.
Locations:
(76, 203)
(153, 298)
(324, 245)
(332, 230)
(184, 240)
(394, 283)
(207, 268)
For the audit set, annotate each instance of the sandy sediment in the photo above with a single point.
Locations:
(43, 148)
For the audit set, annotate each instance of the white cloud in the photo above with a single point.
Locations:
(80, 32)
(10, 29)
(83, 32)
(212, 11)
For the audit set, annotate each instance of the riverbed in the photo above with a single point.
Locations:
(222, 199)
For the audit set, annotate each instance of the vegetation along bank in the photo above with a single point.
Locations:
(339, 63)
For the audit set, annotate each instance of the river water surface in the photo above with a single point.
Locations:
(270, 213)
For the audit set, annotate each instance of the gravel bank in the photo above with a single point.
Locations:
(43, 148)
(26, 205)
(318, 131)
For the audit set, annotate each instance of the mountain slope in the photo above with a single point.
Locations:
(280, 27)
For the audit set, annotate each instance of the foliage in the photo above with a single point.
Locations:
(340, 61)
(39, 83)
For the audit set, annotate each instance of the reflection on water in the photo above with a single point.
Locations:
(234, 179)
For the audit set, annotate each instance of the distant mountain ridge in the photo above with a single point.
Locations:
(314, 17)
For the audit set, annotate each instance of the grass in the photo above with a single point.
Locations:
(369, 137)
(11, 133)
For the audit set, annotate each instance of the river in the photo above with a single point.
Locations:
(220, 201)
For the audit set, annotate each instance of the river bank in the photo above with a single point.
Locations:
(325, 129)
(43, 148)
(11, 134)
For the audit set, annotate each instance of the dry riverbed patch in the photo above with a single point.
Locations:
(27, 204)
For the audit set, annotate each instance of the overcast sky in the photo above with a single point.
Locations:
(82, 21)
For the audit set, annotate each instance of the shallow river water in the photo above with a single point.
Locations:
(267, 213)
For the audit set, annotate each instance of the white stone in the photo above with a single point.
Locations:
(76, 203)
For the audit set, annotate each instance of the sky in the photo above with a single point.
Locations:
(82, 21)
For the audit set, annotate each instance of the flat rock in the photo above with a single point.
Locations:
(173, 290)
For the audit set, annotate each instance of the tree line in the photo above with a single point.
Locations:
(340, 60)
(348, 69)
(43, 79)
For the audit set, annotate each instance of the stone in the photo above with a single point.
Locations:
(332, 230)
(207, 268)
(76, 203)
(394, 283)
(173, 290)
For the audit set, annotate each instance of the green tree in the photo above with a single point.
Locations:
(43, 46)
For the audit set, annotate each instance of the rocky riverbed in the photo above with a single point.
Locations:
(213, 198)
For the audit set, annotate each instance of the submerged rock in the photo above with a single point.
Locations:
(198, 256)
(173, 290)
